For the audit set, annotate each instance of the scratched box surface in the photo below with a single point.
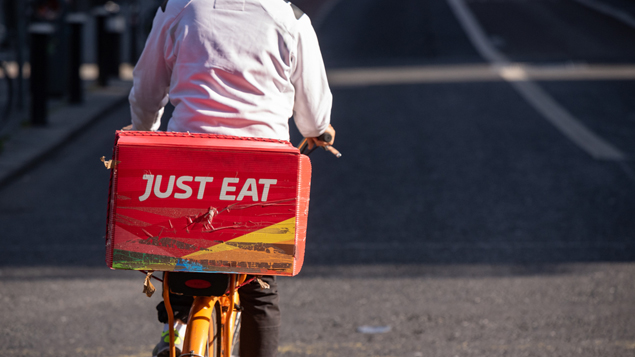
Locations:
(207, 203)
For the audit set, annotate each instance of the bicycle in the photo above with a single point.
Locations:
(213, 324)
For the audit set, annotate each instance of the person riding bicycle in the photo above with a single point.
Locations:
(233, 67)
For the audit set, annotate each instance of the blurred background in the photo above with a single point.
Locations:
(484, 204)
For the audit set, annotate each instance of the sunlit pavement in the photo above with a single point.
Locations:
(461, 220)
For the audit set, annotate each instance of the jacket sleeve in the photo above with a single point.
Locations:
(151, 79)
(313, 98)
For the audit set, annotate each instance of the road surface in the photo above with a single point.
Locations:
(483, 205)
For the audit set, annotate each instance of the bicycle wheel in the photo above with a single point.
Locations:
(203, 336)
(213, 342)
(235, 352)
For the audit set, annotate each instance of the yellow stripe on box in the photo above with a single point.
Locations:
(277, 233)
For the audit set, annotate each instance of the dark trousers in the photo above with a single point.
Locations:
(260, 321)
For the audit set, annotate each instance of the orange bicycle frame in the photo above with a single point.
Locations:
(196, 339)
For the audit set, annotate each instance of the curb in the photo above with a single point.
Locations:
(29, 146)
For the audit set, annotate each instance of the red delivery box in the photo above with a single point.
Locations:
(207, 203)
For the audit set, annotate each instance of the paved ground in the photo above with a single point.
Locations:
(24, 145)
(459, 217)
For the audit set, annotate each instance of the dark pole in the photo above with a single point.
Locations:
(40, 38)
(134, 29)
(115, 27)
(21, 51)
(75, 90)
(101, 16)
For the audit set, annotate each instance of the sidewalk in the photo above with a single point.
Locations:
(26, 146)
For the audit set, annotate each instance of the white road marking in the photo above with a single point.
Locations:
(476, 34)
(496, 245)
(609, 11)
(566, 122)
(405, 75)
(533, 94)
(54, 248)
(356, 77)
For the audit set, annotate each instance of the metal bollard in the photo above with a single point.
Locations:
(110, 27)
(41, 34)
(134, 30)
(101, 16)
(115, 27)
(76, 22)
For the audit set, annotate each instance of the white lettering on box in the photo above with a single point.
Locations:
(249, 189)
(168, 191)
(226, 188)
(265, 190)
(201, 188)
(187, 190)
(150, 179)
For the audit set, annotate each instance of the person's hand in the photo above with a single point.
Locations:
(325, 141)
(317, 142)
(127, 127)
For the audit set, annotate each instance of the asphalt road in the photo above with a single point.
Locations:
(460, 218)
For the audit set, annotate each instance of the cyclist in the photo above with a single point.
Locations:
(234, 67)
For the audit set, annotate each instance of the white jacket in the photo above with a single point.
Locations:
(233, 67)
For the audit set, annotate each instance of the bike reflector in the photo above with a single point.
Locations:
(197, 284)
(207, 203)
